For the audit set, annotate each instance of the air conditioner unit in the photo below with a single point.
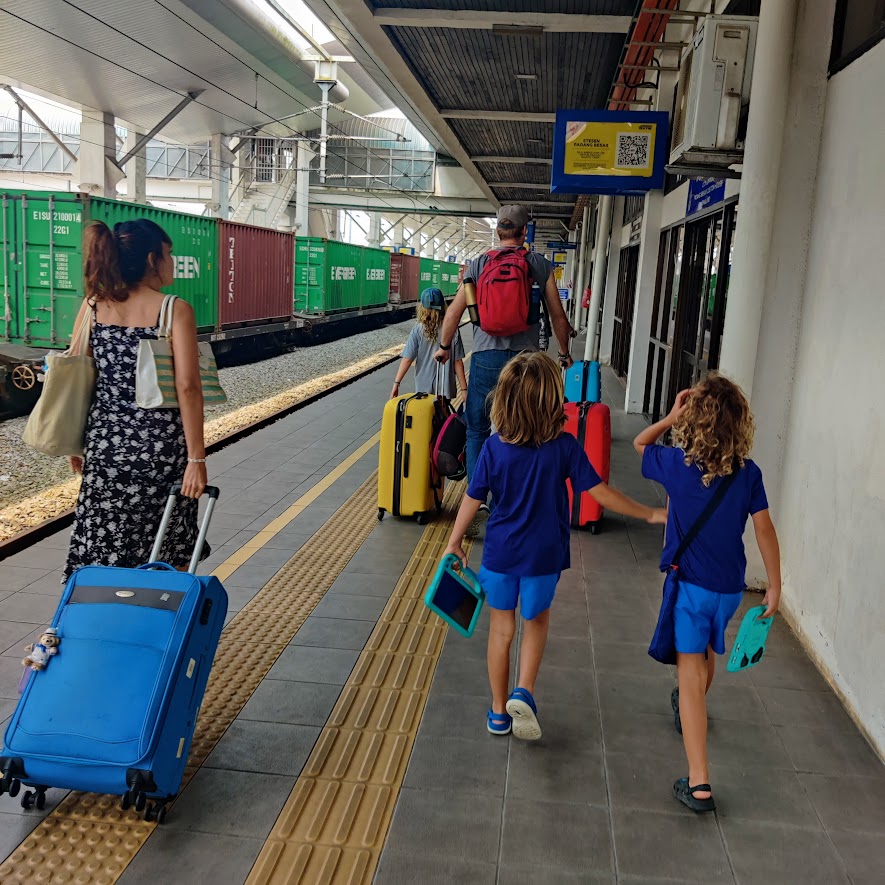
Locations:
(714, 85)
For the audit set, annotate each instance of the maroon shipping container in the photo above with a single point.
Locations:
(405, 271)
(256, 267)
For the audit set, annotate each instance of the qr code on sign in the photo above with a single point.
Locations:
(633, 151)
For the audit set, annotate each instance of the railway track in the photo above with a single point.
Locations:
(34, 534)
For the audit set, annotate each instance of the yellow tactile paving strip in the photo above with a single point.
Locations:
(88, 838)
(333, 826)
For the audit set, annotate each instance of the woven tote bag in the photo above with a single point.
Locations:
(155, 369)
(57, 424)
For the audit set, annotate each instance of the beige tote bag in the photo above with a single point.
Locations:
(57, 424)
(155, 370)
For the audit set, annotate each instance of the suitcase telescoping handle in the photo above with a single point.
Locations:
(174, 493)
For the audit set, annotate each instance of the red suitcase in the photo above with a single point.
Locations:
(591, 425)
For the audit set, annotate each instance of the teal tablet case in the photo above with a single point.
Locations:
(750, 643)
(455, 596)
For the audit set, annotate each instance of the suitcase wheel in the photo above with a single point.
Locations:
(422, 519)
(35, 799)
(157, 812)
(10, 785)
(594, 528)
(380, 514)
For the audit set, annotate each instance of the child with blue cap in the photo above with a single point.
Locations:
(422, 344)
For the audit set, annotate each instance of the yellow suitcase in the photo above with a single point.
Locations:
(407, 485)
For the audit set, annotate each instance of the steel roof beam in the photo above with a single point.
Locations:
(487, 21)
(140, 144)
(537, 160)
(505, 116)
(22, 104)
(533, 185)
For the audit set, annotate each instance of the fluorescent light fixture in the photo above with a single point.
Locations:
(526, 76)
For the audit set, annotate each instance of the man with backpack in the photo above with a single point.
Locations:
(508, 320)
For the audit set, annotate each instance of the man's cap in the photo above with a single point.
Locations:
(432, 299)
(513, 216)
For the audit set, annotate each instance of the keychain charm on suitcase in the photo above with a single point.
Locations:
(136, 649)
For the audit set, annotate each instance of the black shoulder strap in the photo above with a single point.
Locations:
(706, 513)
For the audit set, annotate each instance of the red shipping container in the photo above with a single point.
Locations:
(405, 271)
(256, 266)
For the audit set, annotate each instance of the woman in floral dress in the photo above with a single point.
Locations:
(133, 455)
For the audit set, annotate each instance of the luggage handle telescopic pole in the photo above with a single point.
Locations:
(174, 492)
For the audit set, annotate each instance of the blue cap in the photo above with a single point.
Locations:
(432, 299)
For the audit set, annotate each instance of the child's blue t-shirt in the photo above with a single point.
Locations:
(715, 559)
(528, 531)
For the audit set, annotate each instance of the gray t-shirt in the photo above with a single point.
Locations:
(420, 350)
(528, 340)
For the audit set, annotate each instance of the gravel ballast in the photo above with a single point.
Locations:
(35, 487)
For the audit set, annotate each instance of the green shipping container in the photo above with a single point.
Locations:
(426, 277)
(449, 272)
(332, 276)
(42, 267)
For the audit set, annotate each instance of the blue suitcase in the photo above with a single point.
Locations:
(114, 710)
(583, 382)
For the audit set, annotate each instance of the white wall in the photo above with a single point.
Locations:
(832, 514)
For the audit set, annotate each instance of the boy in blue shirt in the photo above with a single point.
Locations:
(524, 466)
(713, 434)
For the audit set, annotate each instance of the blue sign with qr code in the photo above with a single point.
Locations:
(609, 152)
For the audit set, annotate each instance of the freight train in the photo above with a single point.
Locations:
(253, 289)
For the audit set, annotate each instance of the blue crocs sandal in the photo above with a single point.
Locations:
(521, 706)
(499, 723)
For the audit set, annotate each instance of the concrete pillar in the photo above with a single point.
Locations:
(398, 231)
(571, 265)
(136, 171)
(303, 158)
(646, 279)
(375, 230)
(759, 181)
(583, 252)
(785, 278)
(609, 296)
(220, 165)
(96, 173)
(603, 229)
(436, 248)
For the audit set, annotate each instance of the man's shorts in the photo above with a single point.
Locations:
(700, 618)
(535, 594)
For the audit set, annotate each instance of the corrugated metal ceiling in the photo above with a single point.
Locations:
(475, 70)
(571, 7)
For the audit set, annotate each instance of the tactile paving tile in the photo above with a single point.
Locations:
(334, 823)
(88, 838)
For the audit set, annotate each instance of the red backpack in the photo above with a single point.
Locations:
(503, 292)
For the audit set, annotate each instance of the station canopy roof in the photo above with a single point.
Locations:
(138, 60)
(484, 78)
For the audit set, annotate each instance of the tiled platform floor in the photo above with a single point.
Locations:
(801, 796)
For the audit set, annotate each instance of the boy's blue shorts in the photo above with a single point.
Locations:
(700, 618)
(535, 594)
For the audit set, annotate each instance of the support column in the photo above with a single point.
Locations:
(398, 233)
(759, 181)
(136, 171)
(96, 173)
(375, 230)
(220, 163)
(611, 283)
(303, 158)
(582, 264)
(775, 344)
(646, 279)
(603, 229)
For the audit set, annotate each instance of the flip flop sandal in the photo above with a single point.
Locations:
(521, 706)
(674, 703)
(685, 794)
(499, 723)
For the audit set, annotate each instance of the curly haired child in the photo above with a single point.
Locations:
(525, 466)
(712, 429)
(423, 342)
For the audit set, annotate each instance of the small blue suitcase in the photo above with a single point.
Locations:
(583, 382)
(114, 711)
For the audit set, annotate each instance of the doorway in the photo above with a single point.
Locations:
(625, 300)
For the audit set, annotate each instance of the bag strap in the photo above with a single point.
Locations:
(165, 330)
(706, 513)
(80, 339)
